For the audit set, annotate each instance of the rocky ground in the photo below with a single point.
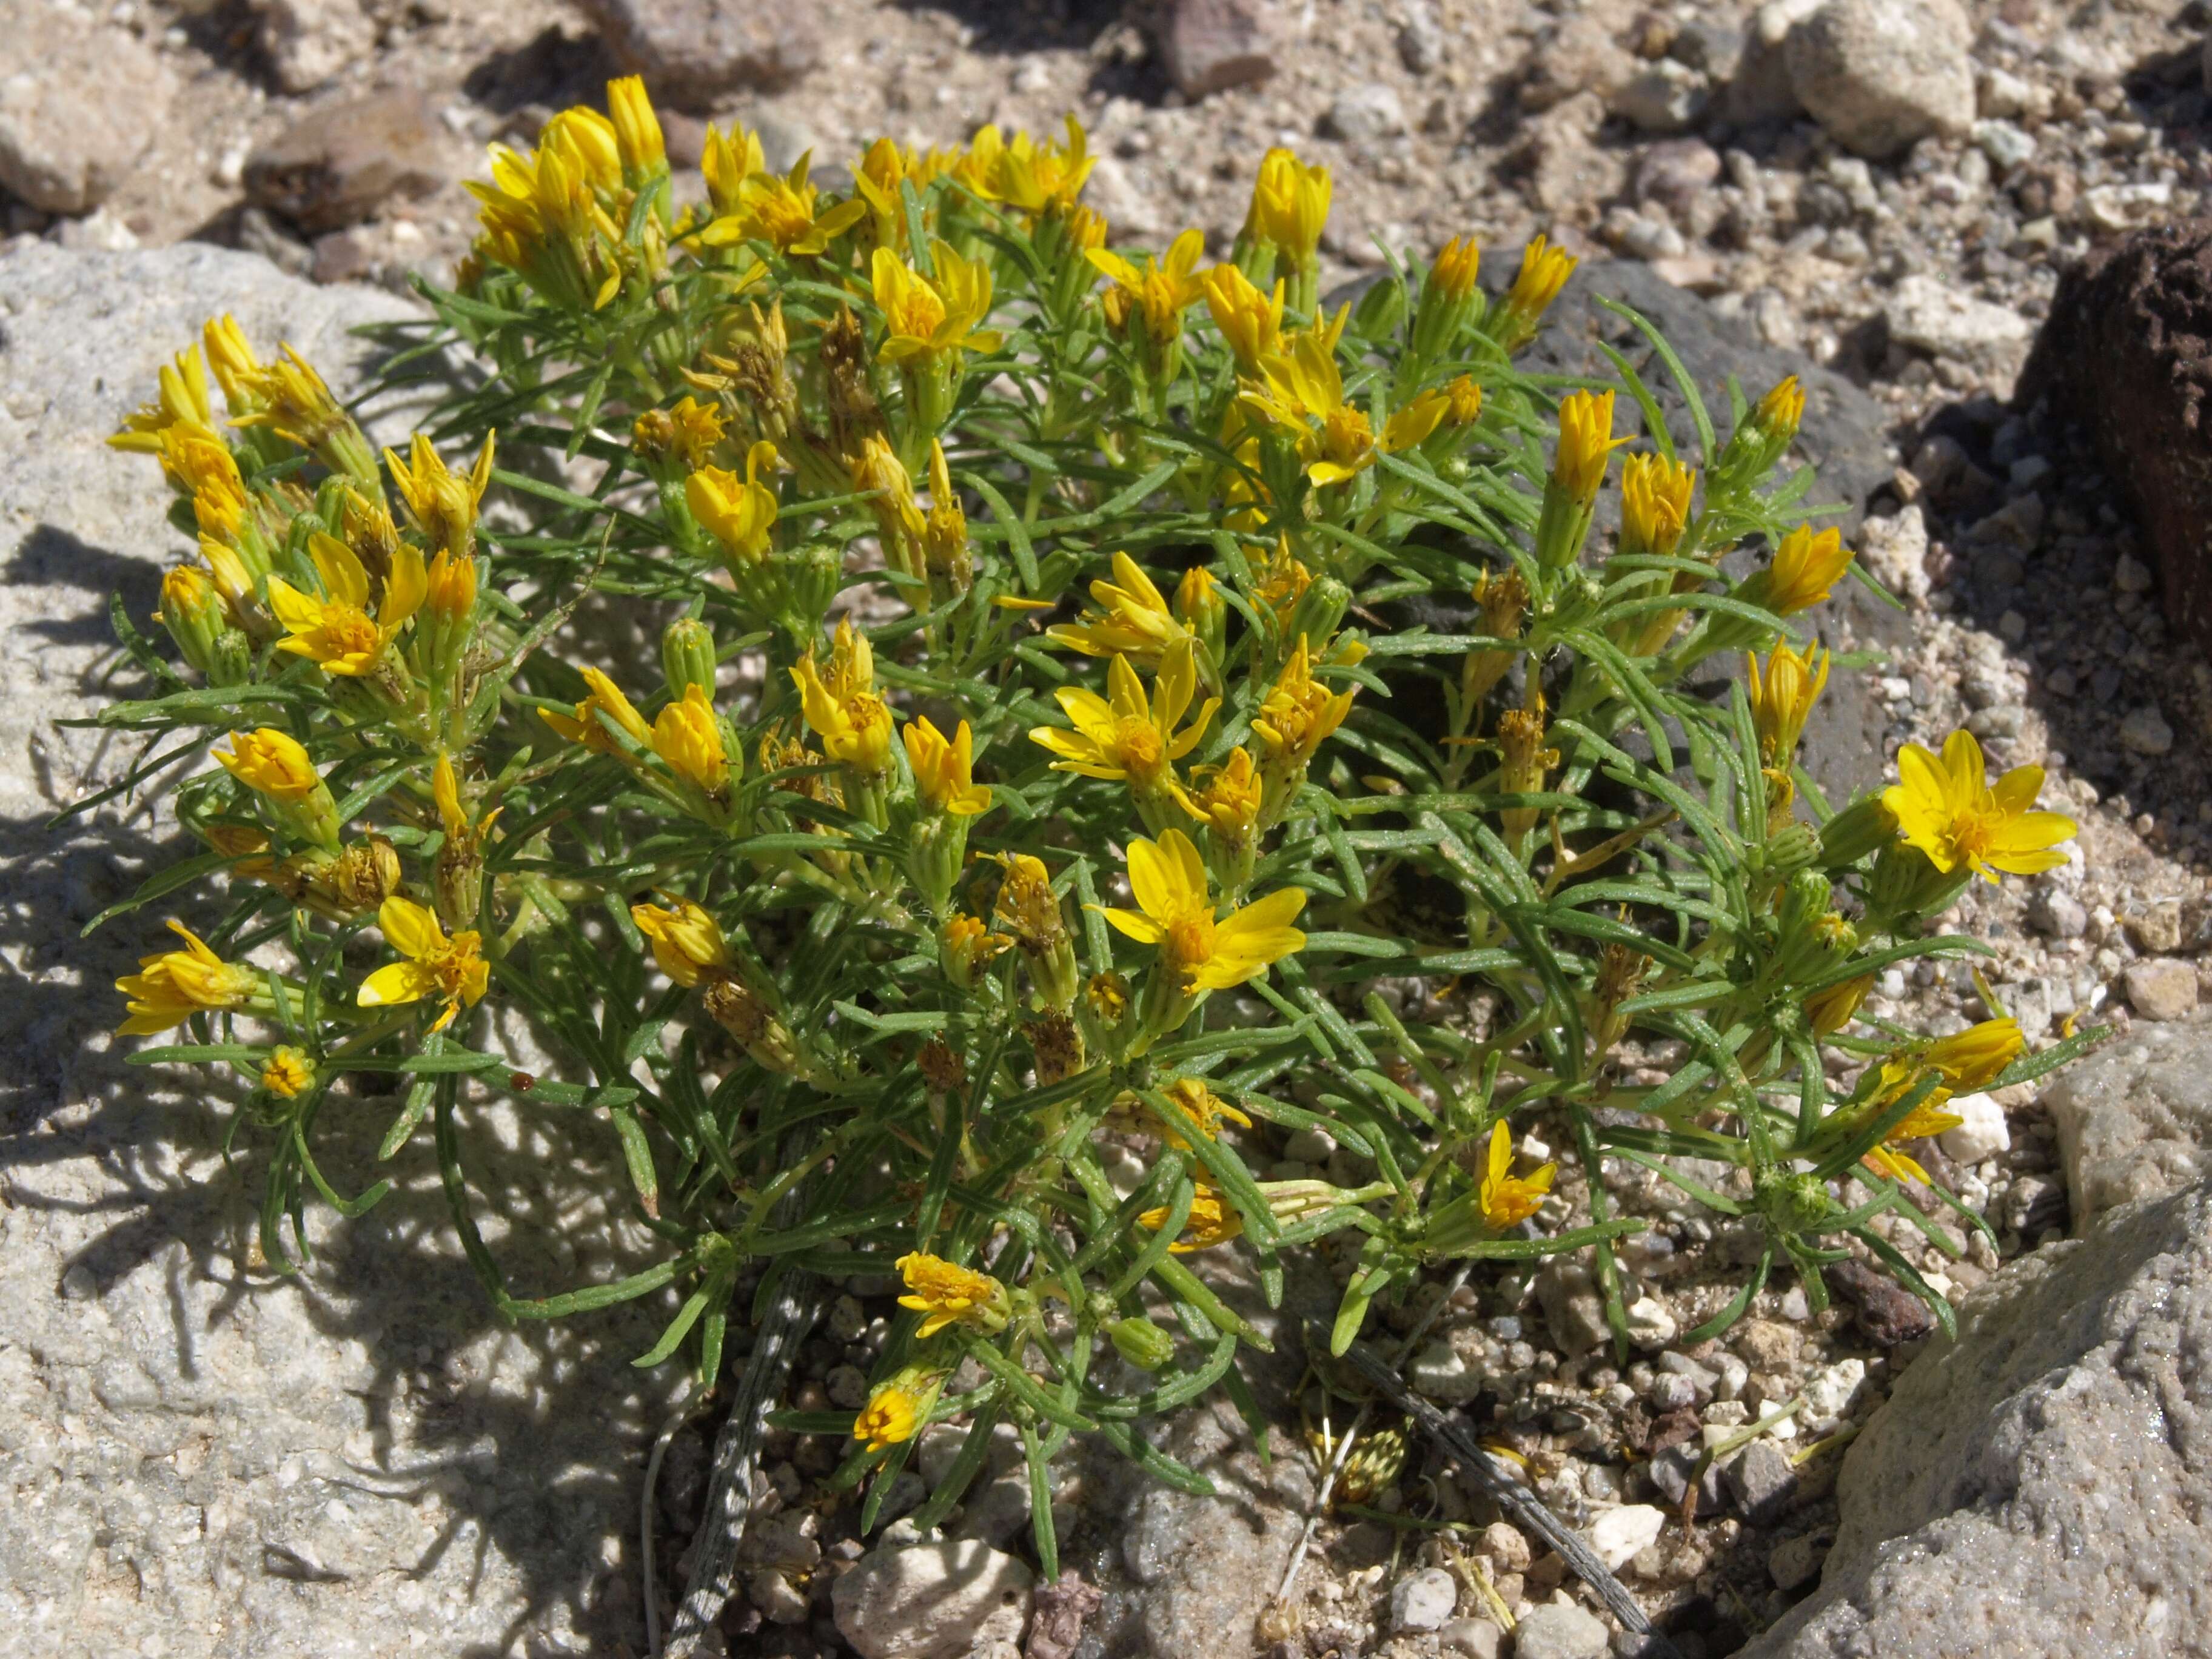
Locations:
(1880, 194)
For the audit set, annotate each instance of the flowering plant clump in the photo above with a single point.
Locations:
(1020, 768)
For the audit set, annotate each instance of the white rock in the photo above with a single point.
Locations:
(1665, 96)
(2005, 144)
(933, 1601)
(2117, 207)
(2162, 987)
(79, 104)
(1928, 313)
(1369, 111)
(1830, 1394)
(1424, 1600)
(1982, 1129)
(1895, 553)
(1619, 1536)
(1879, 75)
(1561, 1630)
(308, 42)
(1441, 1372)
(1650, 1326)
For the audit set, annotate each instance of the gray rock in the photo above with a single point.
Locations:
(1421, 38)
(1675, 171)
(1760, 1482)
(2058, 912)
(2043, 1476)
(1472, 1638)
(308, 42)
(2162, 989)
(692, 52)
(340, 162)
(79, 104)
(1670, 1473)
(1573, 1308)
(2145, 731)
(2134, 1120)
(1210, 45)
(1795, 1561)
(1368, 111)
(1759, 90)
(1423, 1600)
(1880, 74)
(931, 1601)
(1561, 1630)
(1665, 96)
(341, 1461)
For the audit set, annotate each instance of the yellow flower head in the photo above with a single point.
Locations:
(1973, 1059)
(728, 160)
(1507, 1199)
(451, 588)
(1781, 698)
(1299, 713)
(781, 212)
(463, 837)
(687, 942)
(1036, 177)
(1300, 387)
(1211, 1222)
(1130, 737)
(182, 401)
(1250, 321)
(1412, 421)
(171, 986)
(1198, 604)
(890, 1418)
(969, 944)
(1207, 1109)
(1544, 272)
(1290, 204)
(935, 319)
(1828, 1011)
(1655, 503)
(545, 213)
(1225, 799)
(1466, 405)
(1586, 441)
(949, 1295)
(585, 725)
(1026, 906)
(1945, 807)
(686, 434)
(739, 514)
(944, 771)
(203, 467)
(1806, 566)
(1281, 581)
(289, 1073)
(1203, 951)
(1163, 289)
(272, 764)
(291, 399)
(638, 140)
(1454, 267)
(230, 354)
(442, 505)
(688, 737)
(1780, 411)
(844, 710)
(435, 966)
(1134, 619)
(337, 630)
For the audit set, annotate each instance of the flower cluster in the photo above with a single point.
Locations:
(1004, 699)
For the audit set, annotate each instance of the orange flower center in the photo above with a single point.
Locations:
(350, 632)
(1137, 743)
(448, 964)
(1190, 939)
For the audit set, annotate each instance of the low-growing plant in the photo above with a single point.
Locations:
(1035, 764)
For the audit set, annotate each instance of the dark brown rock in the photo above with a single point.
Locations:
(2127, 352)
(340, 162)
(692, 52)
(1208, 45)
(1887, 1312)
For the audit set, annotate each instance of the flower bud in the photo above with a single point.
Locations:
(194, 613)
(1863, 827)
(1318, 612)
(365, 875)
(1141, 1342)
(1793, 847)
(687, 656)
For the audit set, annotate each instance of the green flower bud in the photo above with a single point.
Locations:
(687, 656)
(1792, 848)
(1319, 610)
(1863, 827)
(1141, 1342)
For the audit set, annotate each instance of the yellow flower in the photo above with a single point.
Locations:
(442, 505)
(171, 986)
(183, 401)
(1203, 951)
(782, 213)
(1132, 620)
(464, 840)
(686, 434)
(1655, 503)
(1211, 1222)
(877, 472)
(289, 1073)
(1975, 1058)
(1163, 289)
(844, 710)
(336, 631)
(889, 1418)
(1038, 179)
(1207, 1109)
(1783, 697)
(1508, 1200)
(544, 216)
(1281, 581)
(949, 1295)
(638, 139)
(1227, 801)
(689, 737)
(1299, 713)
(230, 354)
(687, 942)
(1586, 441)
(1465, 401)
(1781, 411)
(585, 725)
(436, 966)
(944, 770)
(968, 945)
(451, 588)
(1290, 204)
(205, 469)
(272, 764)
(293, 402)
(1828, 1011)
(1806, 566)
(933, 318)
(1130, 737)
(1945, 807)
(729, 159)
(1544, 272)
(1301, 386)
(1250, 321)
(1454, 267)
(1524, 764)
(738, 513)
(1412, 423)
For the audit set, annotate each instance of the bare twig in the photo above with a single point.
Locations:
(1511, 1496)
